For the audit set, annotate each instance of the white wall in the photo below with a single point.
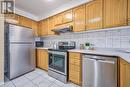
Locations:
(1, 48)
(109, 38)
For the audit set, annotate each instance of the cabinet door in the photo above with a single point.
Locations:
(75, 68)
(35, 27)
(79, 18)
(43, 27)
(51, 25)
(25, 22)
(12, 18)
(39, 31)
(58, 19)
(42, 59)
(94, 15)
(129, 12)
(67, 16)
(115, 13)
(124, 73)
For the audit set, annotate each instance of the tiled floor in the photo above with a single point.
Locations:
(37, 78)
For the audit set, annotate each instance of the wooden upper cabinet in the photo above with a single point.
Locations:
(58, 19)
(43, 28)
(94, 15)
(51, 25)
(25, 22)
(39, 31)
(67, 16)
(79, 18)
(35, 27)
(115, 13)
(129, 12)
(12, 18)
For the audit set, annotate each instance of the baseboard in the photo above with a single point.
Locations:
(1, 82)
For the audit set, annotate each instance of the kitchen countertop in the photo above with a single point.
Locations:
(44, 48)
(116, 53)
(104, 52)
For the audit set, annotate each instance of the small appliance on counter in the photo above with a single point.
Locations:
(58, 61)
(39, 44)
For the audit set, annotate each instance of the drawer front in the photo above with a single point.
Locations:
(75, 55)
(75, 61)
(75, 77)
(74, 67)
(129, 22)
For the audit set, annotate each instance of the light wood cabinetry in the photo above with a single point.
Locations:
(12, 18)
(62, 18)
(124, 75)
(67, 16)
(35, 27)
(39, 28)
(43, 28)
(75, 68)
(115, 13)
(128, 12)
(94, 15)
(42, 59)
(23, 21)
(51, 25)
(79, 18)
(58, 19)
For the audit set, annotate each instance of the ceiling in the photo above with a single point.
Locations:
(44, 8)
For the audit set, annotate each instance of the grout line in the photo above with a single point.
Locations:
(31, 81)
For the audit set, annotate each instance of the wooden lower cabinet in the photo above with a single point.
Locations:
(42, 59)
(75, 68)
(128, 12)
(124, 73)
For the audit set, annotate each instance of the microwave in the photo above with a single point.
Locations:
(39, 44)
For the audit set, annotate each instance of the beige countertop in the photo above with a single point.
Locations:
(105, 52)
(122, 54)
(44, 48)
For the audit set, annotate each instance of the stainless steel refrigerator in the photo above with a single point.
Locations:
(19, 50)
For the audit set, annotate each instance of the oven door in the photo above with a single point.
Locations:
(58, 62)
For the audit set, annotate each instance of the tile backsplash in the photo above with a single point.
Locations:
(107, 38)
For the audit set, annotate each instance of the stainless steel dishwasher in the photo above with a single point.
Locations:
(99, 71)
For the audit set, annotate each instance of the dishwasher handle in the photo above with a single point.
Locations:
(106, 61)
(102, 60)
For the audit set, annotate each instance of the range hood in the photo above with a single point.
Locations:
(63, 29)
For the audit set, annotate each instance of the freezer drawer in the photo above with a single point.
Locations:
(99, 71)
(20, 34)
(21, 60)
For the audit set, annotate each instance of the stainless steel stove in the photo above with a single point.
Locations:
(58, 61)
